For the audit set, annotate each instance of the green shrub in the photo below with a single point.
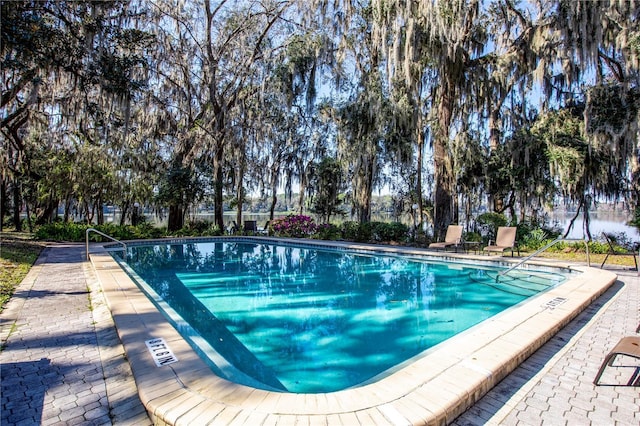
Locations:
(534, 240)
(488, 224)
(327, 231)
(472, 237)
(59, 231)
(374, 231)
(198, 228)
(636, 217)
(394, 231)
(355, 231)
(146, 230)
(124, 232)
(595, 247)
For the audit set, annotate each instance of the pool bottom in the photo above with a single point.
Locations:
(434, 389)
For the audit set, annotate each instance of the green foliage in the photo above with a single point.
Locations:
(60, 231)
(394, 231)
(635, 222)
(199, 228)
(327, 181)
(297, 226)
(534, 240)
(88, 63)
(488, 224)
(472, 237)
(566, 148)
(492, 219)
(612, 108)
(537, 238)
(533, 235)
(327, 231)
(16, 257)
(374, 231)
(356, 231)
(620, 242)
(595, 247)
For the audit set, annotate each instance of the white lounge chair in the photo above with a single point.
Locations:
(627, 346)
(452, 238)
(505, 240)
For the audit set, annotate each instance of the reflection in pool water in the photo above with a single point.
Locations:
(316, 320)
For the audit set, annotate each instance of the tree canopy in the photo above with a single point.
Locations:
(451, 105)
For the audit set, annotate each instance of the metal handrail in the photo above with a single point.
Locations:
(124, 246)
(537, 252)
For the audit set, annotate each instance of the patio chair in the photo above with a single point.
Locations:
(452, 238)
(612, 251)
(250, 226)
(505, 240)
(627, 346)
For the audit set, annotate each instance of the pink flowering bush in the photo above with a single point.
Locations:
(298, 226)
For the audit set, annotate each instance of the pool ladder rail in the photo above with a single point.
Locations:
(124, 246)
(537, 252)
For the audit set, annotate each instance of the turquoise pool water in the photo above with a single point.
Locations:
(308, 320)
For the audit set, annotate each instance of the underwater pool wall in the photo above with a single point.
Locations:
(433, 389)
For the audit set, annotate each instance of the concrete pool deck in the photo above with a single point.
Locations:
(186, 392)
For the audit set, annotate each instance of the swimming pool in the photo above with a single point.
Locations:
(434, 388)
(309, 319)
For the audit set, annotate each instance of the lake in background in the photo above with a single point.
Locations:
(612, 221)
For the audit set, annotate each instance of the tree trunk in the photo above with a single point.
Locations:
(455, 207)
(364, 186)
(419, 161)
(124, 209)
(49, 212)
(274, 202)
(16, 206)
(468, 209)
(586, 216)
(573, 219)
(239, 199)
(301, 200)
(3, 201)
(67, 208)
(100, 211)
(218, 185)
(495, 199)
(29, 224)
(88, 212)
(176, 218)
(443, 169)
(275, 170)
(303, 188)
(239, 177)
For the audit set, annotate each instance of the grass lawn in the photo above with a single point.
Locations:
(580, 257)
(17, 253)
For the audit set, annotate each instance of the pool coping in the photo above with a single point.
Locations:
(435, 389)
